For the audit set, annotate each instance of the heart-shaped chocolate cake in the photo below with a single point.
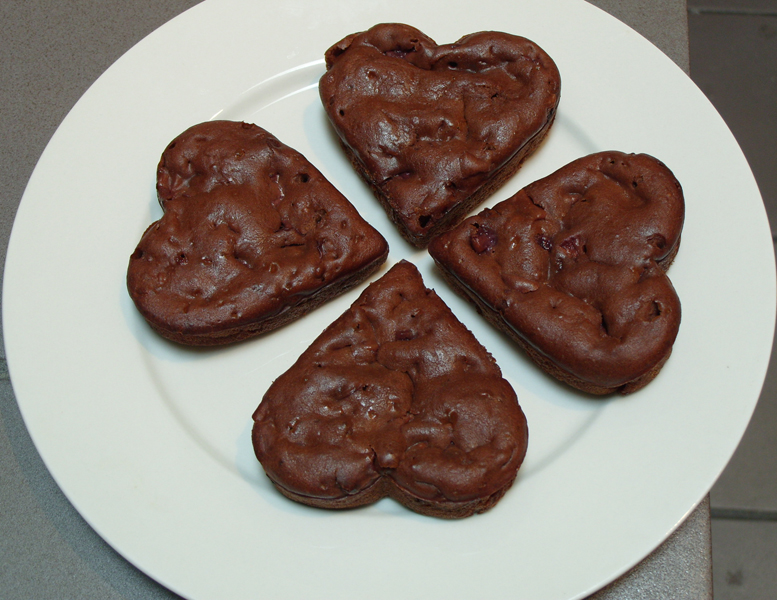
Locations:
(395, 398)
(252, 237)
(573, 269)
(436, 129)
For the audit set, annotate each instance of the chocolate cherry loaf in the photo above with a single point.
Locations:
(395, 398)
(436, 129)
(252, 237)
(573, 269)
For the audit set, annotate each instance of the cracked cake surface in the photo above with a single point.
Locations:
(435, 129)
(395, 398)
(573, 268)
(252, 237)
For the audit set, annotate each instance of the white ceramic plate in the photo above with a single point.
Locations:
(151, 441)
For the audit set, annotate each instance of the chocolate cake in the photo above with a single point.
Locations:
(573, 269)
(252, 237)
(436, 129)
(395, 398)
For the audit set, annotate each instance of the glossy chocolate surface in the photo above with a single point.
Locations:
(574, 264)
(250, 230)
(396, 388)
(430, 125)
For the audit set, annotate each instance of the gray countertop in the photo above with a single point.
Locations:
(50, 53)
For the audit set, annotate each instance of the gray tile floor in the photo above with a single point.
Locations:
(733, 57)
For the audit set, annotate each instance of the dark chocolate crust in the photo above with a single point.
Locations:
(573, 266)
(434, 130)
(395, 398)
(252, 237)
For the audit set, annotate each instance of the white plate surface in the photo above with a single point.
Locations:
(151, 442)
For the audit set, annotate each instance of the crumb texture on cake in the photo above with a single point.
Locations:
(573, 268)
(252, 236)
(395, 398)
(430, 126)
